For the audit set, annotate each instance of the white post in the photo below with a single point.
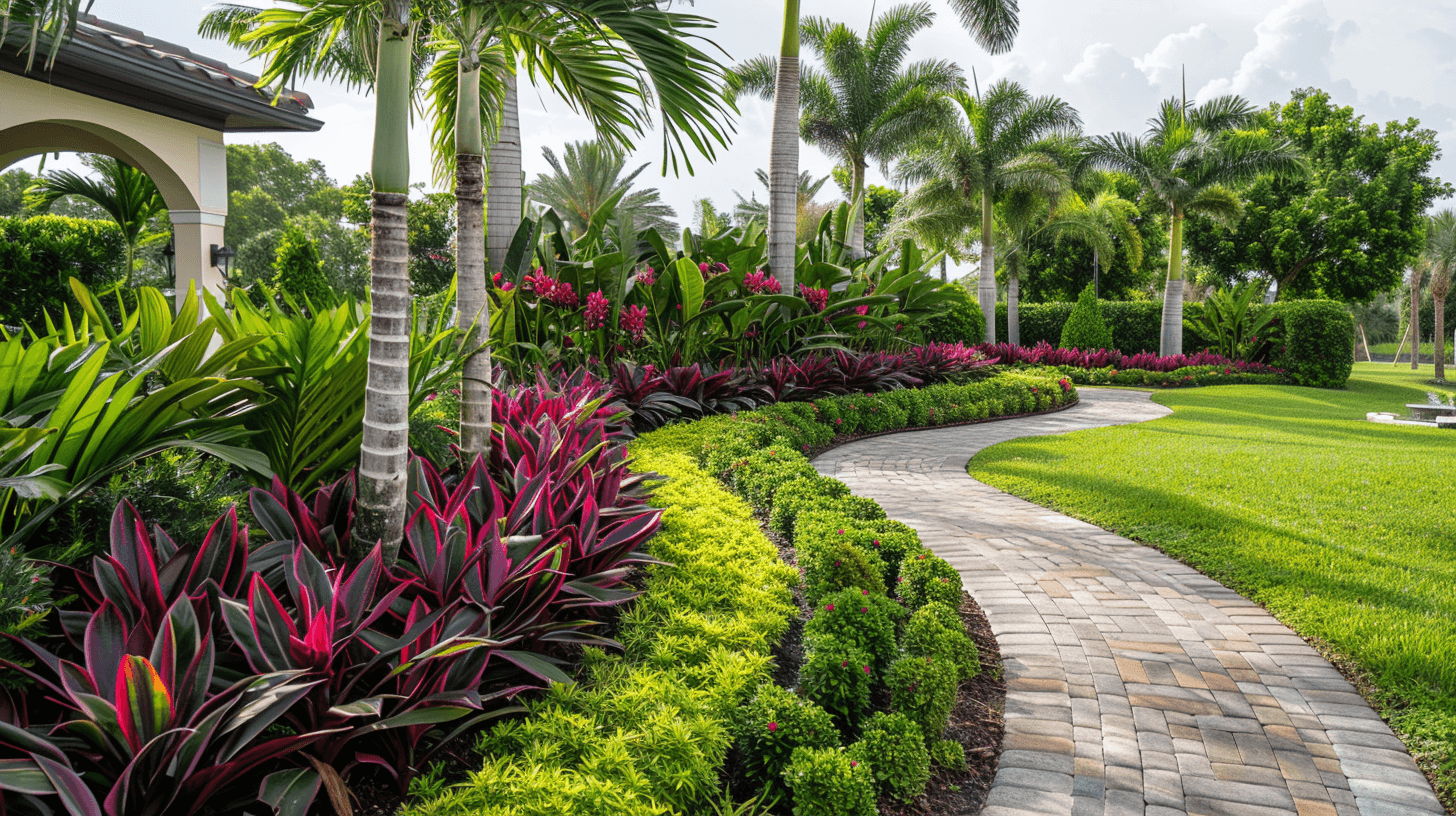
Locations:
(196, 232)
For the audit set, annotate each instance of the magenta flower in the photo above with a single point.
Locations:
(773, 726)
(647, 277)
(864, 609)
(633, 321)
(598, 310)
(818, 298)
(866, 669)
(759, 282)
(829, 608)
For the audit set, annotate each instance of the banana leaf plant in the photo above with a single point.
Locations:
(1234, 326)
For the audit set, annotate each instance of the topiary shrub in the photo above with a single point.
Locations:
(801, 495)
(1085, 329)
(936, 630)
(832, 565)
(924, 689)
(771, 728)
(894, 748)
(927, 578)
(960, 320)
(297, 270)
(1319, 342)
(836, 677)
(761, 474)
(828, 782)
(860, 618)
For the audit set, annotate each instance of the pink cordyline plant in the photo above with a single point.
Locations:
(1045, 353)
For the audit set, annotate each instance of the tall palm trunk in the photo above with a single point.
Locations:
(857, 233)
(943, 269)
(1440, 338)
(470, 259)
(1415, 317)
(1172, 339)
(783, 161)
(986, 287)
(384, 455)
(503, 198)
(1013, 303)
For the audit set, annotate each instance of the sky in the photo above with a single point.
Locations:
(1113, 60)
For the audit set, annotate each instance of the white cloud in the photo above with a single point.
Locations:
(1199, 50)
(1293, 50)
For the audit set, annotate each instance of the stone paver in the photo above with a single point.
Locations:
(1135, 684)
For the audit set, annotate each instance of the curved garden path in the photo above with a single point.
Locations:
(1135, 684)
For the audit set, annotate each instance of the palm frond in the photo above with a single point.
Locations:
(993, 23)
(1219, 203)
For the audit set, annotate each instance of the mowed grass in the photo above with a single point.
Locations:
(1344, 529)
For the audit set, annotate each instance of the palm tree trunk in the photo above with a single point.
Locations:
(1013, 305)
(986, 287)
(385, 452)
(1439, 341)
(503, 198)
(1172, 339)
(857, 233)
(1415, 318)
(783, 161)
(943, 265)
(470, 259)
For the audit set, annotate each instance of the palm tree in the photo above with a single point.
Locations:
(1025, 215)
(993, 24)
(589, 175)
(865, 104)
(124, 192)
(1441, 255)
(751, 210)
(1188, 159)
(1006, 140)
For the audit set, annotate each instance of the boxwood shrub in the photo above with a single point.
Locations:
(1319, 342)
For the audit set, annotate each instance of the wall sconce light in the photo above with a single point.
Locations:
(221, 257)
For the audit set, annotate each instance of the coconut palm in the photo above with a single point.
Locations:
(1188, 159)
(124, 192)
(865, 104)
(1025, 215)
(1004, 140)
(588, 175)
(751, 210)
(993, 24)
(1440, 254)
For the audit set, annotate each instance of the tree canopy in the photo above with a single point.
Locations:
(1349, 228)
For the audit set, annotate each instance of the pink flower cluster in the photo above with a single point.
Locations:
(555, 292)
(647, 277)
(633, 321)
(1045, 353)
(711, 269)
(598, 311)
(817, 298)
(504, 286)
(759, 282)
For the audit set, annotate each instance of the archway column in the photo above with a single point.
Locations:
(195, 233)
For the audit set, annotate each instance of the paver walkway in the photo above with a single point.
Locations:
(1135, 684)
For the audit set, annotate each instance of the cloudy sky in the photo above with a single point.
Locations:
(1112, 59)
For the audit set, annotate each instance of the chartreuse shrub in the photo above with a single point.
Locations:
(924, 690)
(894, 748)
(774, 725)
(757, 477)
(800, 495)
(1085, 329)
(936, 630)
(948, 754)
(828, 782)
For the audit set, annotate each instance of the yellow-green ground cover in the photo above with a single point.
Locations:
(1344, 529)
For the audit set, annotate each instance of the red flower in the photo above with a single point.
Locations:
(773, 726)
(829, 608)
(633, 321)
(598, 310)
(817, 298)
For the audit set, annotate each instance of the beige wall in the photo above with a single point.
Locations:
(187, 162)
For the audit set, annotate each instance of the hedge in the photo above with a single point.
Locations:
(39, 256)
(647, 732)
(1318, 348)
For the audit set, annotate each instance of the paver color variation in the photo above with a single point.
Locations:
(1135, 684)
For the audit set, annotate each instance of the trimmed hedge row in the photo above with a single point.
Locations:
(647, 732)
(1319, 335)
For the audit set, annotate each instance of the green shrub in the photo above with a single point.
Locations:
(927, 578)
(924, 689)
(770, 728)
(936, 630)
(948, 754)
(760, 475)
(827, 782)
(1319, 342)
(434, 427)
(834, 565)
(858, 617)
(1136, 325)
(298, 271)
(39, 256)
(894, 748)
(800, 495)
(1085, 329)
(836, 677)
(892, 541)
(959, 321)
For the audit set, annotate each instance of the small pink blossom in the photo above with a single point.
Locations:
(773, 726)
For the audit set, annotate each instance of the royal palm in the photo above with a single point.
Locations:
(865, 103)
(1003, 140)
(993, 24)
(1188, 159)
(1440, 257)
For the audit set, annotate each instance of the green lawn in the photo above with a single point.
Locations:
(1428, 349)
(1344, 529)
